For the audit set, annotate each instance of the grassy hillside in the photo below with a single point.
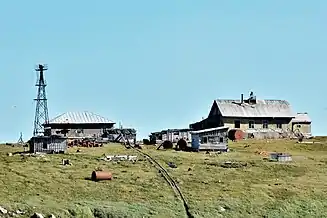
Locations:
(256, 188)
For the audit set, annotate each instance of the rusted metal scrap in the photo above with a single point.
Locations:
(85, 143)
(66, 162)
(120, 158)
(182, 145)
(166, 145)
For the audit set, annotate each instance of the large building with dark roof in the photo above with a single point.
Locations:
(253, 115)
(79, 125)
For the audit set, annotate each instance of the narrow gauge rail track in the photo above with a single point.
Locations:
(169, 180)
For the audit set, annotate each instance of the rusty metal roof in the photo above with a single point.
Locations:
(262, 108)
(80, 118)
(301, 118)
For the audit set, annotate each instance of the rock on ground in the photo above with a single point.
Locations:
(37, 215)
(3, 210)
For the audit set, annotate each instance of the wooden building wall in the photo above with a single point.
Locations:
(258, 123)
(80, 132)
(48, 144)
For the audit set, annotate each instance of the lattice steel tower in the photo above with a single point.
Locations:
(41, 113)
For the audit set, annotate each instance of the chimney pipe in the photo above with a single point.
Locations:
(242, 99)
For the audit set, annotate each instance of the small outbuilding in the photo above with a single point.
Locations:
(48, 144)
(302, 123)
(210, 139)
(173, 135)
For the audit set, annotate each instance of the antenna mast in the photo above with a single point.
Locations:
(41, 112)
(20, 140)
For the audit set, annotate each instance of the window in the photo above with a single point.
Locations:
(221, 140)
(204, 140)
(278, 125)
(45, 145)
(265, 124)
(251, 124)
(237, 124)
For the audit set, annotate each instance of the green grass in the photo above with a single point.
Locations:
(260, 189)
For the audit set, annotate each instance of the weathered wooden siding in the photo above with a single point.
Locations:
(210, 139)
(175, 136)
(258, 123)
(80, 132)
(48, 145)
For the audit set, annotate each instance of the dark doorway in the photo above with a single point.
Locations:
(237, 124)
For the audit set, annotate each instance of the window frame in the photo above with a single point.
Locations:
(279, 125)
(265, 124)
(239, 121)
(253, 124)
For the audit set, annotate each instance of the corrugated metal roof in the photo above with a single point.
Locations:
(80, 118)
(262, 108)
(301, 117)
(209, 130)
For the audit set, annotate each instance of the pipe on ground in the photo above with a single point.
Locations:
(101, 175)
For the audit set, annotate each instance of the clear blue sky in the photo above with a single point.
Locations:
(160, 64)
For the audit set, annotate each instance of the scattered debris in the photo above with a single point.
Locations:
(172, 165)
(166, 145)
(246, 146)
(138, 146)
(280, 157)
(189, 169)
(100, 175)
(222, 209)
(312, 142)
(119, 158)
(9, 154)
(85, 143)
(36, 154)
(37, 215)
(3, 210)
(66, 162)
(19, 212)
(263, 153)
(213, 153)
(229, 164)
(52, 216)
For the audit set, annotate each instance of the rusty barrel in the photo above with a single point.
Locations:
(101, 175)
(182, 144)
(235, 134)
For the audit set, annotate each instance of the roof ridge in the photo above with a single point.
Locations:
(258, 99)
(58, 116)
(263, 108)
(95, 114)
(71, 115)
